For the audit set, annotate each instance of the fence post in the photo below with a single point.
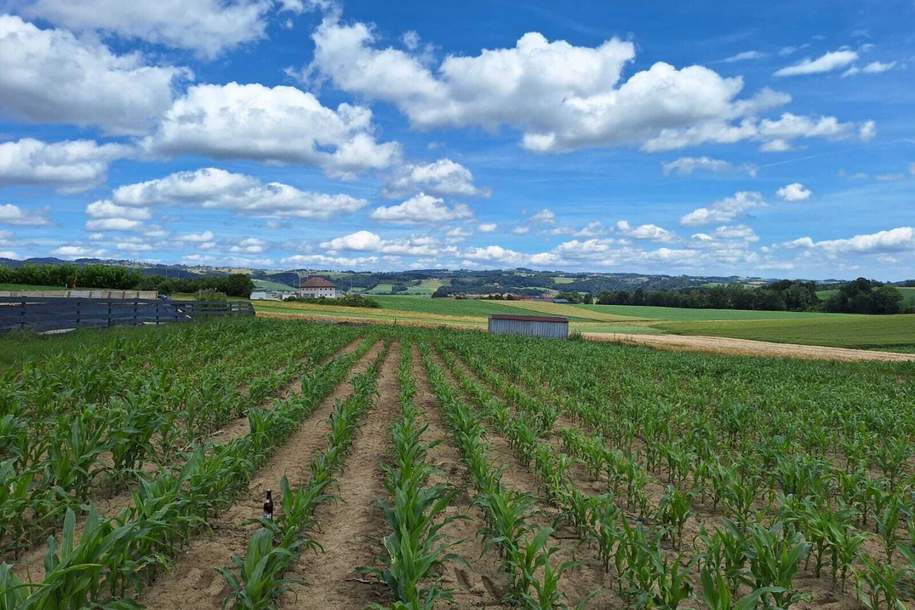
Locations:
(135, 322)
(77, 313)
(157, 313)
(22, 317)
(109, 313)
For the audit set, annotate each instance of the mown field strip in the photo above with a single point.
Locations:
(351, 526)
(193, 581)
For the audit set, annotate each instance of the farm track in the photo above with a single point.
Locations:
(750, 347)
(352, 525)
(479, 582)
(822, 594)
(588, 575)
(193, 581)
(31, 564)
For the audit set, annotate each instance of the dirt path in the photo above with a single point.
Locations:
(479, 582)
(749, 347)
(193, 582)
(588, 575)
(351, 528)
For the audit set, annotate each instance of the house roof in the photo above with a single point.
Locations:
(553, 319)
(317, 282)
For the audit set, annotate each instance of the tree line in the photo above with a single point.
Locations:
(860, 296)
(115, 277)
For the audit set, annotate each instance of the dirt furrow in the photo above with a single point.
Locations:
(193, 582)
(479, 581)
(31, 564)
(351, 528)
(587, 577)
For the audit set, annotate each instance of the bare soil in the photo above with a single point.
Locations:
(193, 582)
(352, 527)
(478, 581)
(749, 347)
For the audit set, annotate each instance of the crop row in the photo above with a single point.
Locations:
(115, 557)
(812, 515)
(415, 550)
(257, 579)
(54, 464)
(526, 550)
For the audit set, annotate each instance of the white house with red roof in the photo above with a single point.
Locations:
(317, 287)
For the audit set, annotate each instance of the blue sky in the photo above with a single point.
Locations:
(700, 138)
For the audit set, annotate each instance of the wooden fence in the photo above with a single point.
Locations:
(42, 314)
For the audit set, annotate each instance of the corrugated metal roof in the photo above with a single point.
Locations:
(553, 319)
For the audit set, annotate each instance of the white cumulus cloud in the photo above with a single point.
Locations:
(422, 208)
(647, 231)
(686, 166)
(442, 178)
(875, 67)
(561, 96)
(892, 240)
(794, 192)
(50, 76)
(208, 27)
(279, 124)
(14, 215)
(217, 188)
(71, 165)
(833, 60)
(724, 210)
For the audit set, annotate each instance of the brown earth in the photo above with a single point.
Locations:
(193, 582)
(478, 580)
(352, 526)
(749, 347)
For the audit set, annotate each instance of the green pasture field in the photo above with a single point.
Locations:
(830, 330)
(683, 314)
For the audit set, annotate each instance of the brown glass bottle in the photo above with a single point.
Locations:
(268, 505)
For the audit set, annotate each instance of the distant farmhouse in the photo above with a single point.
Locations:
(317, 287)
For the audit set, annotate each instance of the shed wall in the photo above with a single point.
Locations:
(526, 328)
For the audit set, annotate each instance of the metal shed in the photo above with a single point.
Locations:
(553, 327)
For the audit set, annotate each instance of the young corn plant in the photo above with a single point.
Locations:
(673, 512)
(775, 558)
(880, 585)
(415, 549)
(259, 579)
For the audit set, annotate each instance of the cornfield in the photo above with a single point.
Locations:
(419, 469)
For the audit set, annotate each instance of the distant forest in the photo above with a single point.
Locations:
(860, 296)
(115, 277)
